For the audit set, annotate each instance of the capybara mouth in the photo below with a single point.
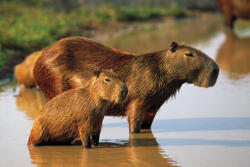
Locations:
(207, 80)
(123, 94)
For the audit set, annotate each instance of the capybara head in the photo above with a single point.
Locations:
(109, 86)
(191, 65)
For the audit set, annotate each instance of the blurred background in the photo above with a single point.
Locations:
(200, 127)
(30, 25)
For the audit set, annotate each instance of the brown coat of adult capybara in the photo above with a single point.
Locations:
(78, 113)
(24, 70)
(151, 78)
(233, 9)
(233, 55)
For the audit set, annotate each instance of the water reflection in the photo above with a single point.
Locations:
(196, 124)
(145, 151)
(190, 31)
(30, 101)
(141, 150)
(233, 56)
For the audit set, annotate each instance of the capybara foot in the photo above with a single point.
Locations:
(88, 146)
(145, 126)
(95, 139)
(135, 130)
(76, 141)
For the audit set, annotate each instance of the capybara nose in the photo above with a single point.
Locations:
(124, 92)
(215, 71)
(214, 75)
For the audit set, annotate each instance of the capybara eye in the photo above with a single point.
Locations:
(189, 54)
(107, 79)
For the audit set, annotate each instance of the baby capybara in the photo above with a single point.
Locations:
(151, 78)
(78, 113)
(233, 9)
(24, 70)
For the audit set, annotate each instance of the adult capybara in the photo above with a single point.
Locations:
(24, 70)
(78, 113)
(233, 55)
(151, 78)
(233, 9)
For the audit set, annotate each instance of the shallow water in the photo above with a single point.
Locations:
(199, 128)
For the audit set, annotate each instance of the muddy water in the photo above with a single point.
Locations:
(198, 128)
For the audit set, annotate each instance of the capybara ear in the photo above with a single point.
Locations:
(97, 72)
(173, 46)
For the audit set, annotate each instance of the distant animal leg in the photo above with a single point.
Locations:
(230, 20)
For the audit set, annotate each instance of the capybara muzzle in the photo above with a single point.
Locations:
(123, 93)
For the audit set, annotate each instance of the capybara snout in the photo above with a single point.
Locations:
(214, 75)
(123, 93)
(210, 75)
(193, 66)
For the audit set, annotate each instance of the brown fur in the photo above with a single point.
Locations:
(151, 78)
(233, 9)
(24, 70)
(78, 113)
(233, 55)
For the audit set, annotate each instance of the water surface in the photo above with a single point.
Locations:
(199, 128)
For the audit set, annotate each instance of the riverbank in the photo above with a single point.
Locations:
(25, 28)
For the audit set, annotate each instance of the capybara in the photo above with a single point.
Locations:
(233, 9)
(78, 113)
(233, 55)
(24, 70)
(151, 78)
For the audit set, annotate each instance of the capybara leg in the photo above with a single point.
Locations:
(36, 136)
(87, 142)
(76, 141)
(134, 116)
(97, 130)
(33, 139)
(147, 120)
(230, 20)
(95, 138)
(85, 137)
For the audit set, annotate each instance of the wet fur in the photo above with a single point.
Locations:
(151, 78)
(24, 70)
(77, 113)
